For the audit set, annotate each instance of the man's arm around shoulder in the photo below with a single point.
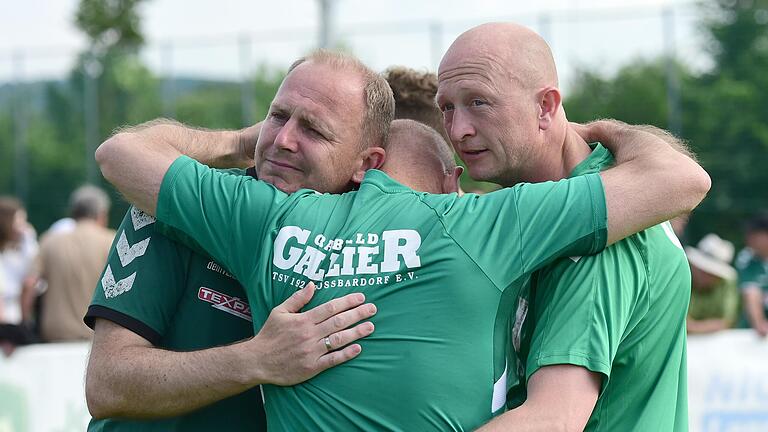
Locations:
(653, 181)
(127, 377)
(136, 159)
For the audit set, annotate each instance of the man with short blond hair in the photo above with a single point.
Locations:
(175, 314)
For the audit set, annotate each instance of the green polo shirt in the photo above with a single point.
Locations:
(444, 272)
(621, 314)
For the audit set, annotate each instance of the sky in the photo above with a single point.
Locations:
(232, 38)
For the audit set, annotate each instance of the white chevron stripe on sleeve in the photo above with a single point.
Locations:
(114, 288)
(128, 253)
(140, 219)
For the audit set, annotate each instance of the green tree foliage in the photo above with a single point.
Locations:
(127, 93)
(723, 110)
(194, 108)
(637, 94)
(726, 117)
(110, 24)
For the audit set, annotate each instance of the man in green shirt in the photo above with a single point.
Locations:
(444, 271)
(598, 342)
(752, 266)
(162, 312)
(714, 296)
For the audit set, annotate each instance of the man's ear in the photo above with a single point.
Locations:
(549, 105)
(451, 181)
(370, 158)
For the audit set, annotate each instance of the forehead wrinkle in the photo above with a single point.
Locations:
(318, 97)
(482, 67)
(305, 85)
(467, 79)
(306, 112)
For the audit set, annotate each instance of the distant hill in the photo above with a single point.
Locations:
(34, 92)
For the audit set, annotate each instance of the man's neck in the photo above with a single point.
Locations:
(562, 159)
(575, 151)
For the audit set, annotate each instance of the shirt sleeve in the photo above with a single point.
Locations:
(582, 308)
(226, 214)
(564, 218)
(531, 224)
(143, 281)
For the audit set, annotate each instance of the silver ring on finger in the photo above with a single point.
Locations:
(327, 341)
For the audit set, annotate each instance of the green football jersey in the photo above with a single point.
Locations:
(620, 313)
(443, 271)
(753, 274)
(177, 300)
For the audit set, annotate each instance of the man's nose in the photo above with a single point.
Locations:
(461, 126)
(287, 137)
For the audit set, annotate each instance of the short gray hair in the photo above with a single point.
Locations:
(379, 101)
(88, 202)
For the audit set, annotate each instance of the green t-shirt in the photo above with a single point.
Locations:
(753, 274)
(443, 272)
(177, 300)
(621, 314)
(719, 302)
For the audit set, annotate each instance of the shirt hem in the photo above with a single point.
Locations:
(570, 359)
(123, 320)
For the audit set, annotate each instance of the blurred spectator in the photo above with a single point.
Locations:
(414, 94)
(714, 297)
(2, 292)
(752, 265)
(66, 224)
(71, 263)
(18, 247)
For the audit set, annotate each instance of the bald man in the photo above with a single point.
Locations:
(598, 342)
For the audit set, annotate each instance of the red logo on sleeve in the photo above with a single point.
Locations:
(226, 303)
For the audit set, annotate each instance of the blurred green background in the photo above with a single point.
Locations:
(49, 129)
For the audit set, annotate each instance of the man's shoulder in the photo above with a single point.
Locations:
(641, 253)
(473, 209)
(95, 232)
(620, 256)
(660, 252)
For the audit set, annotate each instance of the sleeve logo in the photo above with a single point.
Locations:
(226, 303)
(128, 253)
(113, 288)
(140, 219)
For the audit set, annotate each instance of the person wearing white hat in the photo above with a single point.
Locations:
(714, 298)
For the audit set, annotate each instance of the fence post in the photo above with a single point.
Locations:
(20, 140)
(91, 73)
(168, 92)
(246, 90)
(670, 68)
